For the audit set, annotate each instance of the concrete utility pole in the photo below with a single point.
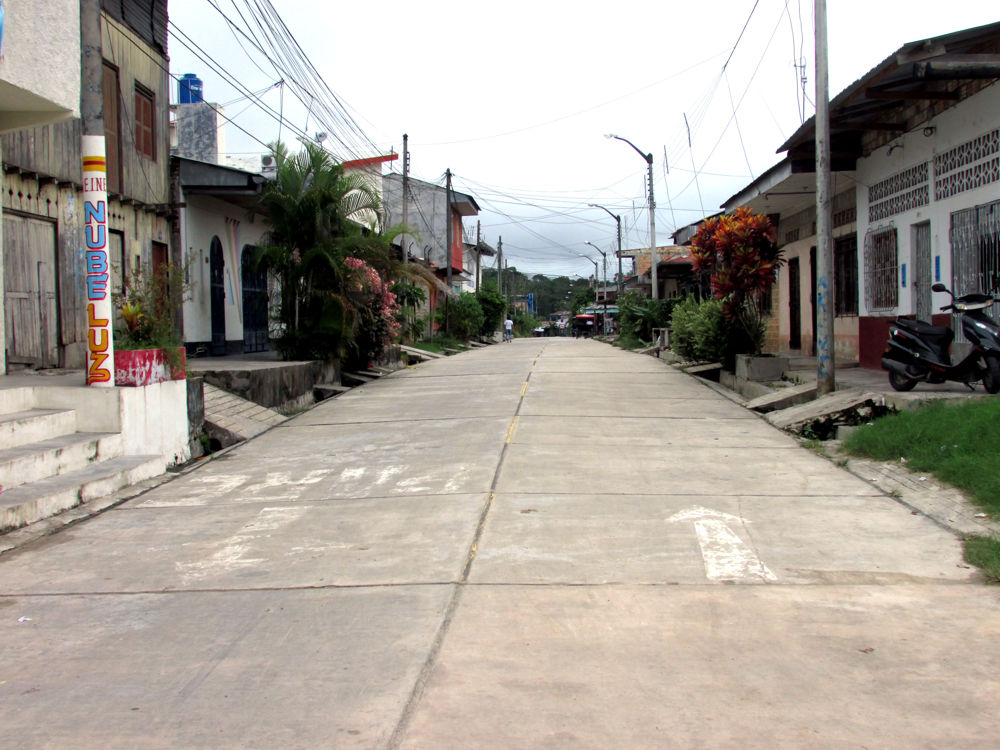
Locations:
(653, 255)
(618, 222)
(406, 194)
(500, 266)
(478, 252)
(825, 374)
(448, 240)
(97, 265)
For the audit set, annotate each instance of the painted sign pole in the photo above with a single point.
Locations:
(100, 343)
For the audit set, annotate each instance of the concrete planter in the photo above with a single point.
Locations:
(749, 367)
(139, 367)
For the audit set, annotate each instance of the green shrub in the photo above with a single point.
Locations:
(699, 330)
(465, 314)
(493, 305)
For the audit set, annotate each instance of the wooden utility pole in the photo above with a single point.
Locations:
(825, 374)
(500, 266)
(406, 195)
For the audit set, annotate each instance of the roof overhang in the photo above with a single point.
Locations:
(784, 189)
(225, 183)
(931, 72)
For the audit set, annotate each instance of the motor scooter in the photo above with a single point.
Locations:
(918, 352)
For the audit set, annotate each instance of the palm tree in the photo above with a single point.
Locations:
(318, 217)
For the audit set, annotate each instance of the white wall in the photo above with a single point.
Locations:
(203, 218)
(969, 119)
(40, 72)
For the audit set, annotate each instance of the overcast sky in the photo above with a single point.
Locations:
(514, 97)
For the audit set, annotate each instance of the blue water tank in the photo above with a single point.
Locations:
(190, 89)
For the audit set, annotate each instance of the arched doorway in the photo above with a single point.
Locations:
(254, 302)
(217, 273)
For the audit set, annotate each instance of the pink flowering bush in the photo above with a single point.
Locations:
(377, 308)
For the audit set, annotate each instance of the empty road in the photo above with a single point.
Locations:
(543, 544)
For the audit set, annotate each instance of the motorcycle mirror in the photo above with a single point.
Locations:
(939, 287)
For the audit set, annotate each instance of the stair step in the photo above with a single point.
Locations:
(34, 461)
(31, 426)
(46, 497)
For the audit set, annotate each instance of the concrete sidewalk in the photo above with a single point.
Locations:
(549, 544)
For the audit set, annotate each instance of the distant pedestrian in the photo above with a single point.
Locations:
(508, 329)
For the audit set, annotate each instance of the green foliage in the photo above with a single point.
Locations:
(525, 324)
(326, 308)
(699, 330)
(146, 311)
(984, 553)
(493, 306)
(409, 297)
(957, 443)
(581, 298)
(740, 252)
(465, 313)
(638, 315)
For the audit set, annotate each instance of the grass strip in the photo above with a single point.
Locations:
(984, 553)
(958, 443)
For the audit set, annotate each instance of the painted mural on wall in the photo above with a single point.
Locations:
(100, 343)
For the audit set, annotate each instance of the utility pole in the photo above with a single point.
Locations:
(97, 266)
(653, 254)
(448, 240)
(478, 251)
(406, 194)
(500, 266)
(825, 374)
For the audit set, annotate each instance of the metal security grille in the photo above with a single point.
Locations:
(881, 270)
(975, 253)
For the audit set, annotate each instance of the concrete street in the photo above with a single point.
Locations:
(543, 544)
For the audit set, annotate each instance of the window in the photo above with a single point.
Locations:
(112, 128)
(881, 270)
(145, 122)
(845, 275)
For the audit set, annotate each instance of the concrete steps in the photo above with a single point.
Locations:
(58, 455)
(47, 465)
(46, 497)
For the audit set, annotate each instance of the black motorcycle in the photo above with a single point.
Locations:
(918, 351)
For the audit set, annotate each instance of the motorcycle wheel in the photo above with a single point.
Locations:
(901, 382)
(991, 374)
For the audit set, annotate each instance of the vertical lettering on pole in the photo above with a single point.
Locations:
(97, 269)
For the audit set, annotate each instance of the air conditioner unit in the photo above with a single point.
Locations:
(266, 160)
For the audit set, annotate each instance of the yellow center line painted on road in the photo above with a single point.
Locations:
(524, 388)
(510, 432)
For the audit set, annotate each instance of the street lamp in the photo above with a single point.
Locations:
(652, 213)
(604, 255)
(618, 221)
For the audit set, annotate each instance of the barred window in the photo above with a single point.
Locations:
(881, 270)
(845, 274)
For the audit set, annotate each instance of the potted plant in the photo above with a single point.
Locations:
(148, 345)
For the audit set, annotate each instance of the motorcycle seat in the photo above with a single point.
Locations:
(938, 338)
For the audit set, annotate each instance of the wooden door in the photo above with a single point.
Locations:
(31, 312)
(812, 298)
(794, 305)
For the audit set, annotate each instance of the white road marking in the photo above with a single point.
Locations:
(726, 556)
(233, 554)
(348, 474)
